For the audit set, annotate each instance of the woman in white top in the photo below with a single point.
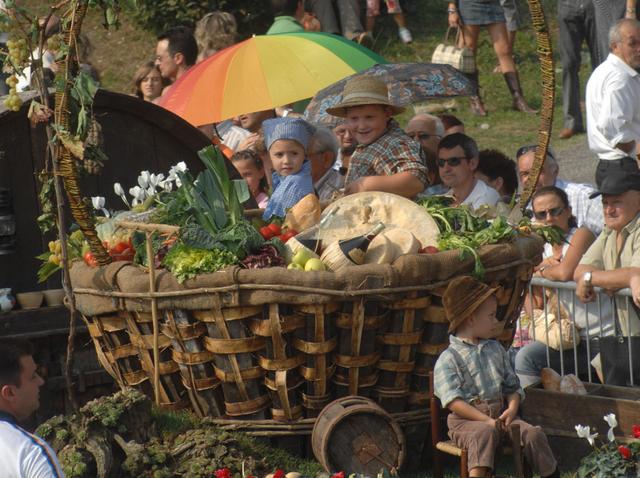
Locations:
(551, 208)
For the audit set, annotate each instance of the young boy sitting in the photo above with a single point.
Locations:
(385, 159)
(286, 140)
(474, 378)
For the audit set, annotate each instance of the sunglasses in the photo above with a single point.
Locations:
(422, 136)
(554, 212)
(529, 148)
(453, 162)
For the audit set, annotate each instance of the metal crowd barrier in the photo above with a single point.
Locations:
(593, 309)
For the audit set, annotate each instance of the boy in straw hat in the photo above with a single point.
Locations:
(385, 159)
(474, 378)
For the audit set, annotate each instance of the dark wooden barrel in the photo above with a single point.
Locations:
(355, 435)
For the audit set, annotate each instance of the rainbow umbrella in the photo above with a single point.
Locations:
(263, 72)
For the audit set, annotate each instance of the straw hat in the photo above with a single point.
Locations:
(462, 297)
(363, 90)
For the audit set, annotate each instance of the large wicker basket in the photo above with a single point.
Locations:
(273, 346)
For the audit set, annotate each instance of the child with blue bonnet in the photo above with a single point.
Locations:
(287, 140)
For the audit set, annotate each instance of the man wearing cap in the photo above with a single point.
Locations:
(613, 93)
(614, 258)
(587, 211)
(385, 159)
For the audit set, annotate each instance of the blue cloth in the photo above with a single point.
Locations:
(295, 129)
(288, 190)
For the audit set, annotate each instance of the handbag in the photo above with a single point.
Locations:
(614, 357)
(557, 333)
(450, 54)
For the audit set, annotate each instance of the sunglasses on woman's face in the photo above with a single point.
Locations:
(554, 212)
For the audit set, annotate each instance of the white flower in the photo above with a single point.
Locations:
(139, 195)
(117, 188)
(178, 182)
(151, 191)
(181, 167)
(612, 422)
(167, 186)
(143, 179)
(98, 202)
(584, 432)
(156, 180)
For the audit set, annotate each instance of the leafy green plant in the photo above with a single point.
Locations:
(610, 460)
(186, 262)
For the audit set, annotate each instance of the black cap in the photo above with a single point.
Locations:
(618, 181)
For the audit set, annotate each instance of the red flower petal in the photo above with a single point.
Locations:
(625, 452)
(278, 474)
(635, 431)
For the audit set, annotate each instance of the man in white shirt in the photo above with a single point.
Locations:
(587, 211)
(613, 96)
(458, 158)
(22, 454)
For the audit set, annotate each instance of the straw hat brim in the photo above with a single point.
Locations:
(464, 314)
(340, 109)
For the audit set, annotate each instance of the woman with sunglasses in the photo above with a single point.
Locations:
(551, 208)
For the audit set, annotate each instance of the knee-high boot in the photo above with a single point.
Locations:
(475, 102)
(513, 83)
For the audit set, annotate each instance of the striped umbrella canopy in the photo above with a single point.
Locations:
(264, 72)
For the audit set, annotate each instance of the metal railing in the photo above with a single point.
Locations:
(591, 310)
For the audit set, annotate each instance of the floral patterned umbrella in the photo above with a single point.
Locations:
(407, 82)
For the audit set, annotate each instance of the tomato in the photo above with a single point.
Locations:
(119, 247)
(293, 232)
(265, 232)
(275, 229)
(287, 235)
(89, 259)
(429, 250)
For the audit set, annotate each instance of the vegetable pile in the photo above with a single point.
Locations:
(462, 230)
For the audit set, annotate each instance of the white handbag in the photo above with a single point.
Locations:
(461, 58)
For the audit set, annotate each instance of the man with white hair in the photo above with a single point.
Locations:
(587, 211)
(323, 151)
(613, 96)
(427, 130)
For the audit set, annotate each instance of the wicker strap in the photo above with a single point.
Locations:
(293, 382)
(200, 384)
(135, 378)
(387, 392)
(315, 348)
(221, 325)
(312, 374)
(236, 409)
(184, 331)
(400, 367)
(146, 341)
(234, 346)
(345, 321)
(281, 364)
(191, 358)
(354, 362)
(246, 374)
(121, 351)
(329, 308)
(292, 414)
(232, 313)
(165, 368)
(411, 303)
(435, 315)
(364, 381)
(315, 402)
(289, 324)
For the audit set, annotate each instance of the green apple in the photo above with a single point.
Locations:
(301, 256)
(294, 266)
(314, 264)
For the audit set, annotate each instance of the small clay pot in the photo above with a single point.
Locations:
(53, 297)
(30, 300)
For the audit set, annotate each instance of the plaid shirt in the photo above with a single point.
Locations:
(588, 212)
(393, 152)
(488, 365)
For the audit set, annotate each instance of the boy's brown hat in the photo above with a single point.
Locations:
(363, 90)
(463, 296)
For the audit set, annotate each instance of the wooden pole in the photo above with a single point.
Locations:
(154, 318)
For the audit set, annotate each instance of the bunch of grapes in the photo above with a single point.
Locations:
(12, 101)
(55, 248)
(17, 57)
